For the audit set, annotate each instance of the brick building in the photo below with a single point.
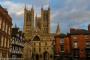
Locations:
(80, 39)
(76, 44)
(5, 32)
(59, 43)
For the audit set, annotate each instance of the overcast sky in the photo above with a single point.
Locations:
(66, 13)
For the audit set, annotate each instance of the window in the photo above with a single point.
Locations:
(47, 48)
(62, 41)
(2, 41)
(0, 22)
(88, 44)
(46, 44)
(86, 36)
(8, 43)
(36, 38)
(34, 49)
(5, 42)
(88, 52)
(62, 48)
(9, 30)
(39, 49)
(34, 44)
(39, 44)
(13, 47)
(74, 37)
(6, 28)
(76, 53)
(14, 56)
(3, 25)
(75, 44)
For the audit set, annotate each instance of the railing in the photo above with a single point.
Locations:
(11, 58)
(17, 43)
(14, 51)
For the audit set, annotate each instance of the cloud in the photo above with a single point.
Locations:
(18, 8)
(13, 8)
(72, 13)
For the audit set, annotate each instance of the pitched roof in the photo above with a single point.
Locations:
(79, 31)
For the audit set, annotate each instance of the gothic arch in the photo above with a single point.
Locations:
(36, 38)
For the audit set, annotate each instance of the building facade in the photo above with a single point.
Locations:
(5, 32)
(80, 44)
(59, 44)
(17, 44)
(76, 45)
(37, 35)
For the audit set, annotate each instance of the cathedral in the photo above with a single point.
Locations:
(38, 44)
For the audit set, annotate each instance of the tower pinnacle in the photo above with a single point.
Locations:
(25, 6)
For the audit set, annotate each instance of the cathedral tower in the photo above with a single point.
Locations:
(28, 20)
(37, 32)
(45, 16)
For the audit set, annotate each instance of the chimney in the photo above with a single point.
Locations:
(89, 27)
(72, 30)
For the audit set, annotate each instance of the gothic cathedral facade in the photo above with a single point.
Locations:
(38, 44)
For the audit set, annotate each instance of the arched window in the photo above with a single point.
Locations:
(36, 38)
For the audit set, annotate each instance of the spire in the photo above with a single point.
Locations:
(58, 30)
(32, 11)
(32, 8)
(41, 6)
(25, 5)
(49, 8)
(15, 25)
(49, 5)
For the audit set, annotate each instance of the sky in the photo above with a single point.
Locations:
(66, 13)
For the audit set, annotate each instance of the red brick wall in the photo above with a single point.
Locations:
(57, 45)
(67, 45)
(81, 43)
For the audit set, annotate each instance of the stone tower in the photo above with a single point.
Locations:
(28, 21)
(37, 33)
(45, 16)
